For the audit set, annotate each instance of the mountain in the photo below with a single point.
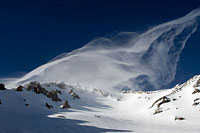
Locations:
(112, 84)
(128, 60)
(60, 107)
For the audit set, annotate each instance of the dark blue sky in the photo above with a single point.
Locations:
(33, 32)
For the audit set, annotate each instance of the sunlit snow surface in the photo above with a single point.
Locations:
(139, 61)
(98, 111)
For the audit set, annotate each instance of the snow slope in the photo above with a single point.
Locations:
(100, 111)
(139, 61)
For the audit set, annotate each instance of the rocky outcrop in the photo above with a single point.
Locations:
(163, 100)
(73, 94)
(196, 91)
(38, 89)
(2, 86)
(196, 99)
(33, 85)
(195, 104)
(58, 91)
(49, 106)
(19, 89)
(198, 83)
(179, 118)
(159, 102)
(66, 105)
(53, 95)
(60, 116)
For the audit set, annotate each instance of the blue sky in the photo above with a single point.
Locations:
(33, 32)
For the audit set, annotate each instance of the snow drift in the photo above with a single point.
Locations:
(138, 61)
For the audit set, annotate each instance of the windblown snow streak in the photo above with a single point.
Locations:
(132, 60)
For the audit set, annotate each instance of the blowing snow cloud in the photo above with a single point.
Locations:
(139, 61)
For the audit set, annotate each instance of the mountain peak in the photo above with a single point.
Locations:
(137, 61)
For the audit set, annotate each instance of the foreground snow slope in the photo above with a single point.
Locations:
(100, 111)
(139, 61)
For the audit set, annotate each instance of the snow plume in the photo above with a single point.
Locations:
(128, 60)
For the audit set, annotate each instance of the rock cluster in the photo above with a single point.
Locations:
(19, 89)
(159, 102)
(73, 94)
(2, 86)
(38, 89)
(66, 105)
(53, 95)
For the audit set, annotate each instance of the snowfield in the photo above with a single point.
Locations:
(94, 110)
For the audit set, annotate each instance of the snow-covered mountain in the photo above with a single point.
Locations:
(102, 87)
(134, 60)
(59, 107)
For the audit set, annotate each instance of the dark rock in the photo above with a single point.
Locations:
(24, 100)
(163, 100)
(157, 111)
(73, 94)
(2, 86)
(49, 106)
(0, 101)
(27, 104)
(196, 91)
(179, 118)
(196, 99)
(174, 99)
(19, 89)
(60, 116)
(195, 104)
(58, 91)
(53, 95)
(97, 116)
(33, 85)
(44, 91)
(198, 83)
(66, 105)
(71, 91)
(37, 90)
